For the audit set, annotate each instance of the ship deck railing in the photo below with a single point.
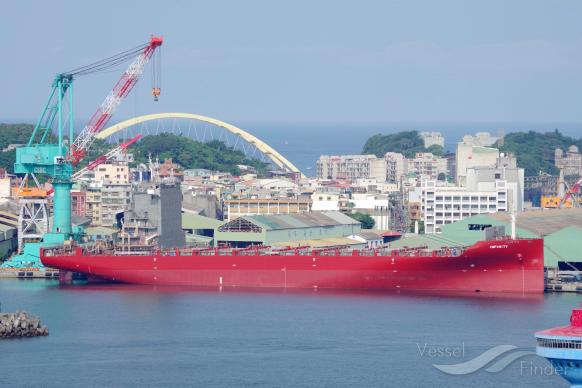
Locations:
(255, 250)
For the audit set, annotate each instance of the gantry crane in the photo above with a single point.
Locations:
(57, 160)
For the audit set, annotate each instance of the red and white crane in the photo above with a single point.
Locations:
(104, 158)
(121, 89)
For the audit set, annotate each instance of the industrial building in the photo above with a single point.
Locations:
(257, 206)
(155, 215)
(314, 229)
(560, 228)
(8, 241)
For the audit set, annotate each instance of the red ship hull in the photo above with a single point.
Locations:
(488, 266)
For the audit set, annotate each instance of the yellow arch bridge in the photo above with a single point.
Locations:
(263, 147)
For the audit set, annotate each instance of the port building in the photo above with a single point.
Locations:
(257, 206)
(560, 228)
(318, 229)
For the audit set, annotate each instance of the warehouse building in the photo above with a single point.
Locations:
(321, 229)
(8, 241)
(560, 228)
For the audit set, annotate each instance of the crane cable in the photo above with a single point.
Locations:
(107, 63)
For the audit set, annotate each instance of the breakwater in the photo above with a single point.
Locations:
(20, 324)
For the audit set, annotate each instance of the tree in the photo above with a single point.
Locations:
(535, 150)
(365, 219)
(214, 155)
(407, 143)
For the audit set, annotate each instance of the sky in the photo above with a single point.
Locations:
(308, 61)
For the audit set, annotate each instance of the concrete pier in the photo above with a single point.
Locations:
(20, 324)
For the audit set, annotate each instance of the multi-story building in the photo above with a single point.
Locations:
(427, 165)
(93, 204)
(569, 162)
(470, 155)
(432, 138)
(329, 200)
(480, 139)
(115, 199)
(414, 212)
(396, 166)
(485, 178)
(155, 216)
(114, 173)
(443, 205)
(113, 181)
(351, 167)
(79, 202)
(255, 206)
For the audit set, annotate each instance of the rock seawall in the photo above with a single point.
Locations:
(20, 324)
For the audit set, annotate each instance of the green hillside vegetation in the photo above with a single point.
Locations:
(12, 134)
(535, 150)
(407, 143)
(366, 220)
(213, 155)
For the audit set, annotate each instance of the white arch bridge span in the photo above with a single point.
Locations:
(201, 134)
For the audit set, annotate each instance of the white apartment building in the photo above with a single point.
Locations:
(328, 201)
(469, 155)
(485, 178)
(427, 165)
(432, 138)
(481, 139)
(443, 205)
(569, 162)
(396, 167)
(351, 167)
(375, 205)
(110, 194)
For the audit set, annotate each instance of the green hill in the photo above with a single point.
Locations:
(407, 143)
(12, 134)
(214, 155)
(535, 150)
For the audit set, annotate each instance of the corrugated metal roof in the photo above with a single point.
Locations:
(196, 221)
(320, 243)
(543, 222)
(301, 220)
(100, 231)
(563, 245)
(369, 235)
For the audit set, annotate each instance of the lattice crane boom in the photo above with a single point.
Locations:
(121, 89)
(106, 157)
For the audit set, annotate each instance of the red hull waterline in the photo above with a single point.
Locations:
(490, 266)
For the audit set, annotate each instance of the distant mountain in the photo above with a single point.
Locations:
(406, 142)
(535, 150)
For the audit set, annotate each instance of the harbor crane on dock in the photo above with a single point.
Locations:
(58, 160)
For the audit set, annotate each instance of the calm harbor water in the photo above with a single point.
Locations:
(114, 335)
